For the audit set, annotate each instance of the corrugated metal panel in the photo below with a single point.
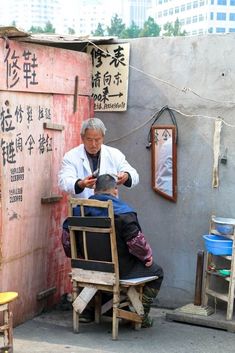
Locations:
(31, 257)
(43, 38)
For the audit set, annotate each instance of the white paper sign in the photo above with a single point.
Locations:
(110, 76)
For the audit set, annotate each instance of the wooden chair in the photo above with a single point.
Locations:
(7, 326)
(92, 274)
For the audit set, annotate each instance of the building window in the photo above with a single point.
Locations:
(188, 20)
(159, 14)
(200, 31)
(201, 3)
(232, 2)
(212, 16)
(165, 12)
(182, 8)
(182, 21)
(194, 33)
(221, 16)
(195, 4)
(220, 30)
(210, 30)
(177, 9)
(189, 6)
(212, 3)
(231, 30)
(222, 2)
(171, 11)
(200, 18)
(232, 16)
(194, 19)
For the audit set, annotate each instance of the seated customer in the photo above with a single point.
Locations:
(134, 253)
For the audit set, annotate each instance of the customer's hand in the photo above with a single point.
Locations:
(149, 262)
(122, 177)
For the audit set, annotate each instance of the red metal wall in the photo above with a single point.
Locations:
(37, 99)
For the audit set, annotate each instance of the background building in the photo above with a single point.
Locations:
(89, 13)
(27, 13)
(135, 10)
(197, 16)
(81, 16)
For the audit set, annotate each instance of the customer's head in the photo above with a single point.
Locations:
(92, 134)
(106, 184)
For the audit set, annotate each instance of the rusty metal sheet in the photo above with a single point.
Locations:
(31, 255)
(27, 67)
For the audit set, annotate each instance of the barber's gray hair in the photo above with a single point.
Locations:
(104, 183)
(93, 124)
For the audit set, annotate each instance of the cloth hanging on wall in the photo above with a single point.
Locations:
(216, 149)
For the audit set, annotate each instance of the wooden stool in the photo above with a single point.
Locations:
(7, 326)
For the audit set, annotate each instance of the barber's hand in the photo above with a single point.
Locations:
(122, 177)
(149, 262)
(88, 182)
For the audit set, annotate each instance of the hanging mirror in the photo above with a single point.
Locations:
(164, 159)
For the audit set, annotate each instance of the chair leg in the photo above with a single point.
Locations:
(115, 323)
(98, 307)
(8, 322)
(75, 321)
(10, 330)
(75, 314)
(7, 329)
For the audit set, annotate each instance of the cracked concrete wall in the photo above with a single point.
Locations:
(200, 72)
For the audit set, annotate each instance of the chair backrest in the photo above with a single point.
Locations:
(94, 256)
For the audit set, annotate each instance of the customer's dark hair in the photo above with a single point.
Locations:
(105, 182)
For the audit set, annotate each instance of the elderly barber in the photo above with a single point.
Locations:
(82, 164)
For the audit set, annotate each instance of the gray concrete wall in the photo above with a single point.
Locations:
(206, 65)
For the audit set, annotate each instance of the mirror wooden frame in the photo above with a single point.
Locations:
(166, 161)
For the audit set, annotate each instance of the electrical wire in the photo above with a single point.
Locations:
(170, 109)
(183, 89)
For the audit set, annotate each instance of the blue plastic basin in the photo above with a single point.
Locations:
(225, 229)
(218, 245)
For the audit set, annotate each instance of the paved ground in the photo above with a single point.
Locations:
(52, 333)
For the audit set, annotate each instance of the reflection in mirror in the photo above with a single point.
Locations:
(164, 171)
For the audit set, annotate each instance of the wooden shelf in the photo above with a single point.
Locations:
(229, 288)
(218, 295)
(214, 273)
(229, 236)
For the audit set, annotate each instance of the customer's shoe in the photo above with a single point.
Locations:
(147, 322)
(87, 316)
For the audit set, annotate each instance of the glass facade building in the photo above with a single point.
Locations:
(196, 16)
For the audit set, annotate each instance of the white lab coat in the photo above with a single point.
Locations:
(75, 165)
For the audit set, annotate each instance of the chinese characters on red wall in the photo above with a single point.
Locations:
(20, 66)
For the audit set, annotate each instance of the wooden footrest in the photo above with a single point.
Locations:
(128, 315)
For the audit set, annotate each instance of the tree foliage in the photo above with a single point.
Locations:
(173, 29)
(131, 32)
(71, 30)
(36, 29)
(117, 26)
(99, 32)
(47, 29)
(150, 29)
(119, 29)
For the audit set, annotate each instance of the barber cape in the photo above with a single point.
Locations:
(119, 207)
